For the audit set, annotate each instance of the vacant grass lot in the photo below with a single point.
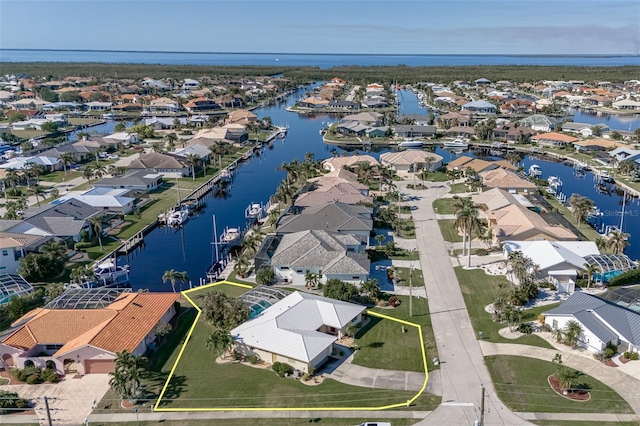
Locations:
(479, 290)
(449, 233)
(579, 423)
(58, 177)
(522, 385)
(321, 421)
(199, 381)
(383, 344)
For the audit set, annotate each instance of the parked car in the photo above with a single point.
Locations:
(375, 424)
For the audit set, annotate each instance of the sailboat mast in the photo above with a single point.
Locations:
(624, 201)
(215, 237)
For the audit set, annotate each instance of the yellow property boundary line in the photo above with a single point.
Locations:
(185, 293)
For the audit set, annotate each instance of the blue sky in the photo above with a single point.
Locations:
(308, 26)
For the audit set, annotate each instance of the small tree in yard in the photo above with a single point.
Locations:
(339, 290)
(162, 330)
(223, 311)
(11, 403)
(572, 331)
(126, 379)
(567, 377)
(220, 341)
(265, 276)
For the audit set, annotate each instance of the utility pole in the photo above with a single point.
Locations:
(482, 408)
(411, 289)
(46, 406)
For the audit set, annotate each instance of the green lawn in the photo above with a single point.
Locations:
(479, 290)
(437, 177)
(81, 121)
(59, 176)
(262, 422)
(445, 205)
(449, 233)
(383, 344)
(406, 229)
(458, 188)
(28, 134)
(108, 245)
(521, 383)
(3, 381)
(200, 382)
(417, 279)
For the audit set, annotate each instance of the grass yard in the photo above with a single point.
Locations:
(28, 134)
(478, 290)
(281, 421)
(449, 233)
(521, 383)
(437, 177)
(3, 381)
(458, 188)
(588, 233)
(445, 205)
(82, 121)
(199, 381)
(59, 176)
(406, 229)
(382, 344)
(417, 279)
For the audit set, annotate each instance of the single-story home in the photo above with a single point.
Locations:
(352, 162)
(600, 144)
(480, 107)
(330, 217)
(103, 198)
(603, 322)
(540, 122)
(553, 139)
(411, 160)
(340, 185)
(478, 165)
(201, 104)
(167, 165)
(140, 181)
(584, 129)
(328, 254)
(85, 341)
(414, 131)
(369, 118)
(507, 180)
(559, 262)
(299, 330)
(122, 137)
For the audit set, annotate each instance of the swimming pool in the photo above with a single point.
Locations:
(257, 308)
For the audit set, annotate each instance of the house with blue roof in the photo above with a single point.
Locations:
(480, 107)
(603, 322)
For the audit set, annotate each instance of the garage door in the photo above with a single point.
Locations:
(98, 366)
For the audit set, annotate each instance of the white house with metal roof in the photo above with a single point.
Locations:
(602, 322)
(299, 330)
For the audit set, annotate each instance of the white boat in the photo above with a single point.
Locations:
(554, 181)
(535, 171)
(105, 274)
(456, 143)
(178, 218)
(108, 116)
(410, 143)
(551, 190)
(230, 236)
(225, 175)
(253, 211)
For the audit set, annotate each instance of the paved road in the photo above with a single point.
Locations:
(462, 369)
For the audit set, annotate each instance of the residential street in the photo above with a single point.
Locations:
(462, 368)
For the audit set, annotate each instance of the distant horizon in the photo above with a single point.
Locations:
(186, 52)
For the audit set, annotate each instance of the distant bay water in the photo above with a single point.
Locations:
(317, 60)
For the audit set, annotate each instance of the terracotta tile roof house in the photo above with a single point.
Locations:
(86, 340)
(411, 160)
(597, 144)
(166, 165)
(241, 116)
(340, 185)
(509, 219)
(201, 104)
(553, 139)
(352, 162)
(507, 180)
(461, 131)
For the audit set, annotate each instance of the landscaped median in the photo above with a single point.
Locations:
(198, 383)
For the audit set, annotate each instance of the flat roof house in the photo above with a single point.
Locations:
(85, 341)
(299, 330)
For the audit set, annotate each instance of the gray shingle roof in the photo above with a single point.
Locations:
(65, 219)
(624, 321)
(136, 178)
(332, 217)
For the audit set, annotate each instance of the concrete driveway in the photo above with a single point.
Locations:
(70, 401)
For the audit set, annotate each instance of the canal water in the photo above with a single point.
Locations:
(190, 248)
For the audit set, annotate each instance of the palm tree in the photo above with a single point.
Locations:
(251, 243)
(568, 377)
(53, 249)
(459, 205)
(351, 330)
(99, 171)
(626, 167)
(37, 191)
(220, 341)
(183, 277)
(67, 159)
(96, 223)
(129, 371)
(54, 193)
(590, 269)
(371, 289)
(192, 161)
(87, 173)
(242, 266)
(312, 279)
(580, 207)
(171, 139)
(273, 216)
(617, 241)
(572, 330)
(380, 238)
(558, 334)
(172, 276)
